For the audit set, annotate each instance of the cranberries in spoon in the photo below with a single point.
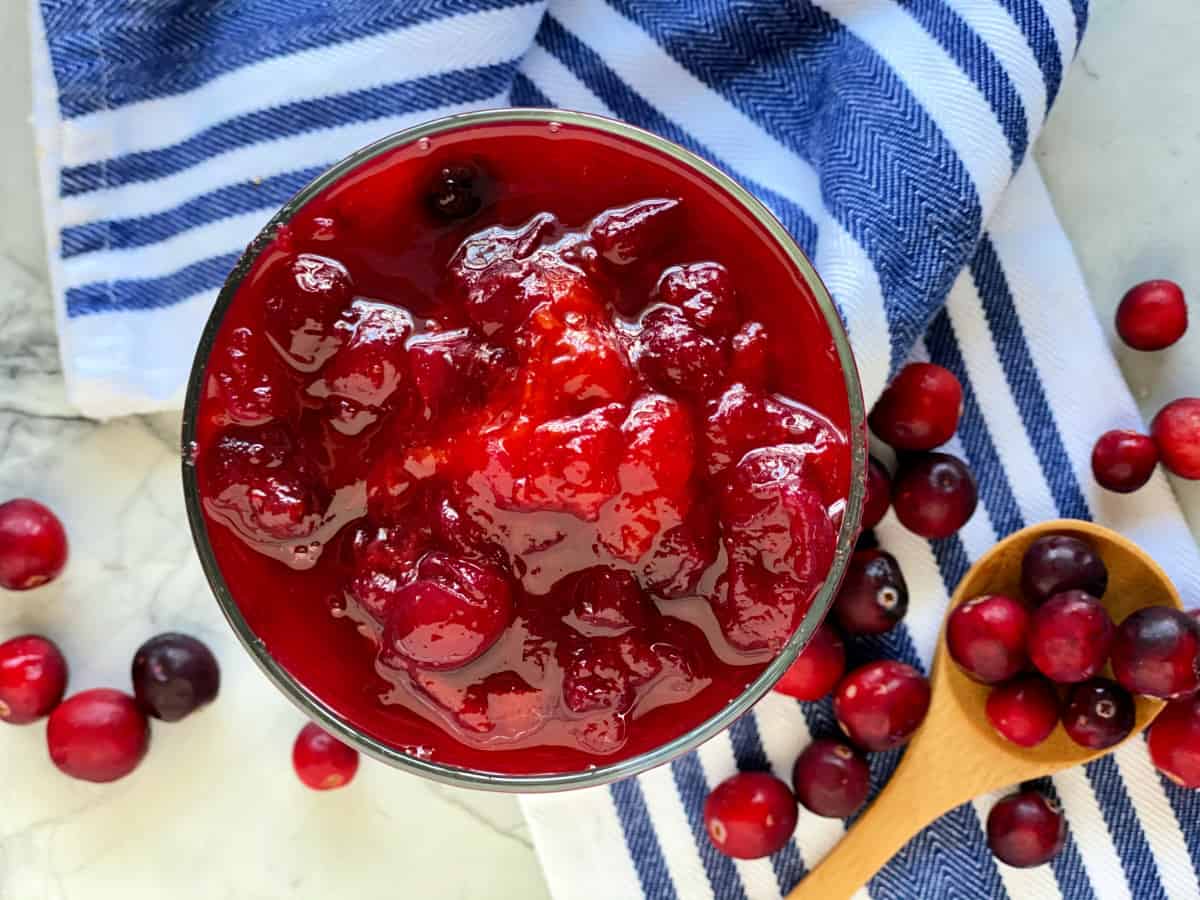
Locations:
(1061, 562)
(1024, 710)
(1070, 636)
(987, 636)
(750, 814)
(1098, 714)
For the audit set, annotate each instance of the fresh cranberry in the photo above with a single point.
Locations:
(1176, 431)
(1175, 741)
(919, 410)
(873, 596)
(174, 675)
(749, 815)
(457, 192)
(817, 669)
(1026, 829)
(879, 494)
(33, 545)
(321, 761)
(1024, 710)
(934, 494)
(750, 356)
(1070, 636)
(704, 291)
(987, 635)
(1123, 461)
(302, 313)
(1156, 653)
(1061, 562)
(676, 357)
(33, 676)
(98, 735)
(831, 778)
(606, 602)
(1098, 713)
(1152, 315)
(629, 233)
(880, 705)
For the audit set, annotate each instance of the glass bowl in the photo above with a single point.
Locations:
(591, 776)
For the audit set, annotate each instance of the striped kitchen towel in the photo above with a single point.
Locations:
(892, 137)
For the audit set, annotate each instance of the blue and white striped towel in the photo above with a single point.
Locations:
(891, 136)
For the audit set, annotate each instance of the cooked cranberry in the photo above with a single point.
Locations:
(1176, 431)
(1061, 562)
(817, 669)
(606, 601)
(33, 545)
(880, 705)
(1156, 653)
(321, 761)
(603, 673)
(1123, 461)
(675, 356)
(452, 369)
(1070, 636)
(302, 314)
(1175, 741)
(831, 778)
(1024, 710)
(750, 814)
(174, 675)
(934, 494)
(750, 360)
(251, 382)
(33, 676)
(704, 291)
(373, 364)
(920, 408)
(1098, 713)
(457, 192)
(1152, 315)
(987, 635)
(879, 494)
(98, 735)
(1026, 829)
(628, 233)
(873, 596)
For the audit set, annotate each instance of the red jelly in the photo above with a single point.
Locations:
(525, 450)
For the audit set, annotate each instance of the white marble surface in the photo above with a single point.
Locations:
(215, 810)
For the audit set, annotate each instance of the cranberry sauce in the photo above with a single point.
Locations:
(524, 450)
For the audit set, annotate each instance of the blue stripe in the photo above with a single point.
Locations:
(642, 840)
(1039, 34)
(1137, 860)
(693, 789)
(1067, 864)
(1185, 803)
(1081, 19)
(525, 93)
(151, 293)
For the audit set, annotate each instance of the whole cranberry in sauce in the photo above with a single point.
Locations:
(919, 410)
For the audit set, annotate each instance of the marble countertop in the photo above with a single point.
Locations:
(215, 810)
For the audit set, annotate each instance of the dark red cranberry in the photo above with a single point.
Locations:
(817, 669)
(1026, 829)
(33, 676)
(1156, 653)
(1062, 562)
(628, 233)
(606, 602)
(920, 408)
(1152, 315)
(1024, 710)
(1098, 713)
(676, 357)
(1175, 741)
(873, 596)
(1123, 461)
(302, 319)
(750, 356)
(1176, 431)
(174, 675)
(1070, 636)
(879, 494)
(98, 735)
(605, 673)
(704, 291)
(934, 494)
(321, 761)
(880, 705)
(750, 814)
(831, 778)
(457, 192)
(33, 545)
(987, 636)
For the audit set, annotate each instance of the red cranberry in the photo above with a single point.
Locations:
(704, 291)
(628, 233)
(831, 778)
(321, 761)
(606, 602)
(920, 408)
(676, 357)
(1176, 431)
(1156, 653)
(1098, 713)
(174, 675)
(987, 635)
(1175, 741)
(1070, 636)
(1123, 461)
(33, 545)
(1026, 829)
(879, 494)
(817, 669)
(750, 356)
(373, 364)
(1152, 315)
(1061, 562)
(301, 316)
(873, 596)
(880, 705)
(456, 192)
(934, 494)
(1024, 710)
(98, 735)
(750, 814)
(604, 673)
(33, 676)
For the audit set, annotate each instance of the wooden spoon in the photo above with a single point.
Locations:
(955, 756)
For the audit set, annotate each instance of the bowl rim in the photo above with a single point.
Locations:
(312, 705)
